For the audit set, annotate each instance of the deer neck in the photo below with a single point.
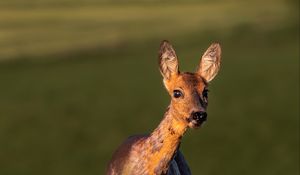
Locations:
(164, 141)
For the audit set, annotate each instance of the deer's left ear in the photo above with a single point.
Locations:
(168, 62)
(210, 62)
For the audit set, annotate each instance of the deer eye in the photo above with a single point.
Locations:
(177, 93)
(205, 93)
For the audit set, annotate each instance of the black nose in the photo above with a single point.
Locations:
(199, 116)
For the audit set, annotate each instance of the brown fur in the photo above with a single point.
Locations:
(157, 153)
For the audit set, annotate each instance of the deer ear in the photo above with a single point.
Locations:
(210, 62)
(168, 62)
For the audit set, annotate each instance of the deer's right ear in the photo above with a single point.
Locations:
(168, 62)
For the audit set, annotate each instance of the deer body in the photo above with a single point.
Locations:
(158, 153)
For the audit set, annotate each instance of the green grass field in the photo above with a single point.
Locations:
(77, 78)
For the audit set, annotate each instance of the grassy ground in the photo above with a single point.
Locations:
(63, 29)
(78, 78)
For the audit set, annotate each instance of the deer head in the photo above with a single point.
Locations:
(189, 91)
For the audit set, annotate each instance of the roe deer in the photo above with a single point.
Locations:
(158, 153)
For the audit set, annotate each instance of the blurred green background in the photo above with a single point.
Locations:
(78, 77)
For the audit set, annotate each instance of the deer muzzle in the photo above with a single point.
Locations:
(197, 118)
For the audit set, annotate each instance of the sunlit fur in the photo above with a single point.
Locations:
(158, 153)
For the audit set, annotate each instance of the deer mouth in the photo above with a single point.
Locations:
(198, 123)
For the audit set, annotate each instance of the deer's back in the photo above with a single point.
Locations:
(131, 159)
(128, 157)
